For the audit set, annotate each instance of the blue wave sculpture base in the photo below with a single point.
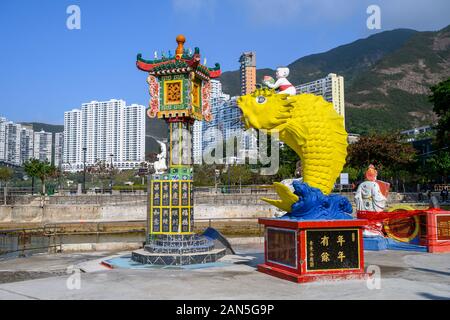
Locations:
(314, 205)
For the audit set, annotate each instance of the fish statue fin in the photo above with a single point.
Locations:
(294, 136)
(288, 198)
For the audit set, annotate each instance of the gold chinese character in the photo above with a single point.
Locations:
(324, 241)
(341, 256)
(340, 240)
(325, 257)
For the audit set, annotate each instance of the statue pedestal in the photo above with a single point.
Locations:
(305, 251)
(170, 221)
(176, 250)
(435, 230)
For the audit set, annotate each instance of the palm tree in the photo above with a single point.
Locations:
(5, 175)
(40, 169)
(31, 169)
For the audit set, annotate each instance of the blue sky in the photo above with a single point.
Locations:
(46, 69)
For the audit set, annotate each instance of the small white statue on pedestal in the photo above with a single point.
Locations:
(160, 165)
(369, 196)
(282, 84)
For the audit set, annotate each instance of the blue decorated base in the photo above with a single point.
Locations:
(314, 205)
(382, 243)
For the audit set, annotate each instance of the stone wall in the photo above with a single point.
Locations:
(86, 208)
(125, 208)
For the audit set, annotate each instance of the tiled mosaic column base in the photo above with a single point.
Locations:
(178, 250)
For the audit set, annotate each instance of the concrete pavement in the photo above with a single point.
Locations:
(404, 275)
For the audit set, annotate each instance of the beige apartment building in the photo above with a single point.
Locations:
(248, 72)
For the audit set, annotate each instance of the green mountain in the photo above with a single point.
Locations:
(346, 60)
(37, 126)
(393, 94)
(387, 76)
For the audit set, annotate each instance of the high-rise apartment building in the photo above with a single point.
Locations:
(133, 148)
(42, 147)
(19, 143)
(59, 149)
(10, 142)
(331, 88)
(248, 72)
(2, 138)
(26, 143)
(72, 154)
(225, 126)
(217, 97)
(107, 131)
(101, 130)
(197, 142)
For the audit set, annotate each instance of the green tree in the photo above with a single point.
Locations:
(288, 163)
(241, 175)
(5, 174)
(354, 174)
(440, 97)
(439, 164)
(31, 169)
(204, 175)
(40, 169)
(386, 151)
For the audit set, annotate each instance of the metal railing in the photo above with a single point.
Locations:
(23, 196)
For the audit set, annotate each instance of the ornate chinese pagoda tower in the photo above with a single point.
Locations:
(179, 87)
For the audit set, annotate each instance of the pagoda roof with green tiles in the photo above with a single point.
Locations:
(182, 62)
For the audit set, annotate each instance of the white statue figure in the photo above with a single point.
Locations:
(160, 165)
(369, 196)
(282, 84)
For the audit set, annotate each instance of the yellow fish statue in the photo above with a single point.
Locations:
(315, 131)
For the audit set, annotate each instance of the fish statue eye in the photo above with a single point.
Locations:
(261, 99)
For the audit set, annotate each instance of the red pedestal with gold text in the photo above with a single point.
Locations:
(435, 230)
(305, 251)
